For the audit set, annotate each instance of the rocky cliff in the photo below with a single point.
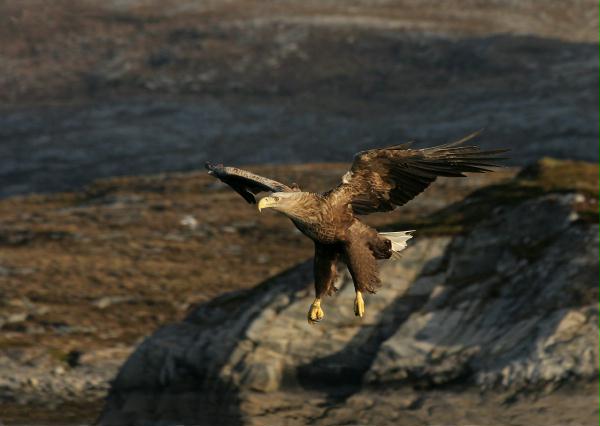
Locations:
(85, 276)
(492, 313)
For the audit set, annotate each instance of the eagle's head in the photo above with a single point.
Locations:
(287, 203)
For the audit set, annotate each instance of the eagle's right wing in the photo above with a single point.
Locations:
(382, 179)
(245, 183)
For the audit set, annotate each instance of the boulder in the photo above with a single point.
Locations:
(508, 307)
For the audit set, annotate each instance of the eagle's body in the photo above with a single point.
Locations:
(379, 180)
(320, 218)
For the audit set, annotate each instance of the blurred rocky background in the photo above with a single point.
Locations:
(490, 317)
(94, 89)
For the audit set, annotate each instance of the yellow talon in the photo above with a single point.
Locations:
(315, 313)
(359, 305)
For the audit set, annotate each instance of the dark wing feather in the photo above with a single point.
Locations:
(382, 179)
(362, 265)
(245, 183)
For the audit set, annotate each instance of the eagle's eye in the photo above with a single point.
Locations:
(276, 199)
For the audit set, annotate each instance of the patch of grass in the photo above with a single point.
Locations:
(546, 176)
(80, 412)
(554, 175)
(58, 355)
(589, 214)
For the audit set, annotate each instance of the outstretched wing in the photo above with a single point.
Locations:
(245, 183)
(382, 179)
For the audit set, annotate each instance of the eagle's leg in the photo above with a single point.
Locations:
(315, 313)
(325, 273)
(359, 305)
(362, 263)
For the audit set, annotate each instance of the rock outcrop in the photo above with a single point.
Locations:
(508, 306)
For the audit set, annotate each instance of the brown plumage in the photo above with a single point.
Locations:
(379, 180)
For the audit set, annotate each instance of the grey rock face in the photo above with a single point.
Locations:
(512, 305)
(512, 308)
(32, 377)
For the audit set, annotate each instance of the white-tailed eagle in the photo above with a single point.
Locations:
(379, 180)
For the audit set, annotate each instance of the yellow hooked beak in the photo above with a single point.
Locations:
(266, 203)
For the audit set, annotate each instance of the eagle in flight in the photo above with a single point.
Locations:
(379, 180)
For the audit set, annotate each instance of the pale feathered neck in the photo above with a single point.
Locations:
(305, 204)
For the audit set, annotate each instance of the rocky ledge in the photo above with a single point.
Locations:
(491, 314)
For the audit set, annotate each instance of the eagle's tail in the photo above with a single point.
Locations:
(398, 240)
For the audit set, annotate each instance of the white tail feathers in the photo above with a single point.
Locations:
(398, 240)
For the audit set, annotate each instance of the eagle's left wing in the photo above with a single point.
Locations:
(382, 179)
(245, 183)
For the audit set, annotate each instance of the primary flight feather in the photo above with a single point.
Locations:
(379, 180)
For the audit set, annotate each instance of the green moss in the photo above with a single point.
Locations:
(14, 343)
(564, 176)
(589, 215)
(545, 177)
(58, 355)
